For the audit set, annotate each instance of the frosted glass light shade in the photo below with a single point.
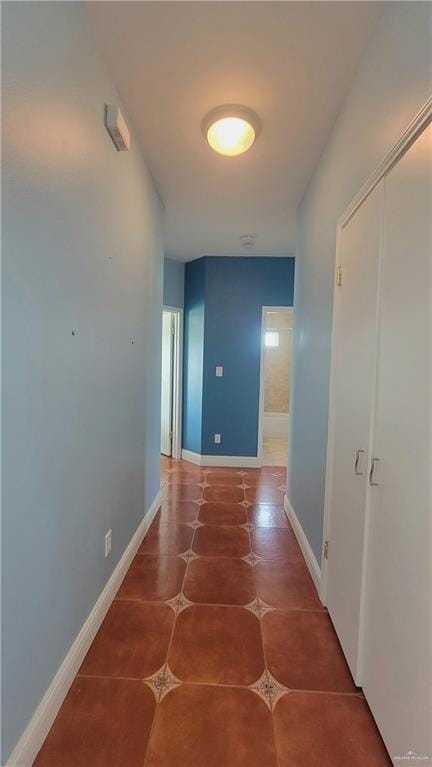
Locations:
(230, 130)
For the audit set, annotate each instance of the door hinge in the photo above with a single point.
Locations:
(339, 276)
(173, 330)
(171, 434)
(326, 545)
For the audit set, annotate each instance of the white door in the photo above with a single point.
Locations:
(353, 379)
(398, 643)
(167, 383)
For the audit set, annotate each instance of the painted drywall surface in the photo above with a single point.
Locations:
(194, 316)
(392, 84)
(173, 286)
(236, 289)
(82, 293)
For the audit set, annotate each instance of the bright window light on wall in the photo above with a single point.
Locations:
(271, 338)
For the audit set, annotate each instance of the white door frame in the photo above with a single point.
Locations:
(177, 313)
(265, 309)
(406, 139)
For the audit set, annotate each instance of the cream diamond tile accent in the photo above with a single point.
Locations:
(245, 504)
(200, 501)
(269, 689)
(243, 486)
(264, 607)
(253, 607)
(204, 484)
(247, 526)
(188, 555)
(155, 682)
(178, 603)
(251, 559)
(162, 682)
(196, 523)
(258, 607)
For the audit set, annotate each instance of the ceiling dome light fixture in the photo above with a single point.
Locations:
(231, 129)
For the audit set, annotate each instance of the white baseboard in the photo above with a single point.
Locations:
(230, 461)
(36, 731)
(304, 544)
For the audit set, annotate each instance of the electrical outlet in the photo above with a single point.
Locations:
(219, 371)
(108, 538)
(217, 439)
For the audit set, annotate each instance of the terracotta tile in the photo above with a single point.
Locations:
(219, 581)
(212, 541)
(153, 578)
(264, 494)
(197, 726)
(187, 466)
(165, 539)
(164, 477)
(215, 478)
(132, 641)
(102, 723)
(223, 494)
(303, 652)
(222, 514)
(286, 585)
(217, 645)
(225, 470)
(166, 462)
(186, 477)
(189, 472)
(262, 477)
(179, 492)
(267, 515)
(275, 543)
(177, 512)
(327, 731)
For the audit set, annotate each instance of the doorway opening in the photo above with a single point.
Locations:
(275, 385)
(171, 381)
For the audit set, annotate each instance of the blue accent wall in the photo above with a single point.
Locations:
(223, 310)
(236, 291)
(173, 286)
(193, 354)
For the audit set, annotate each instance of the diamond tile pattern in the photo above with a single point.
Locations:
(216, 650)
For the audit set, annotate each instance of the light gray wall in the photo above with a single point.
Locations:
(174, 277)
(83, 253)
(393, 82)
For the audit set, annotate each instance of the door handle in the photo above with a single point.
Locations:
(357, 462)
(372, 478)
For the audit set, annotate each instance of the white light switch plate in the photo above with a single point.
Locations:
(219, 371)
(217, 439)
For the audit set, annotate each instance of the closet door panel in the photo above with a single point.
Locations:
(353, 376)
(397, 649)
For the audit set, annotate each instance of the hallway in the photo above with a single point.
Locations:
(219, 618)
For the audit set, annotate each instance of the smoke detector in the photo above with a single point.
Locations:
(247, 240)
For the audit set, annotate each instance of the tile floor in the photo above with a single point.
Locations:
(275, 451)
(216, 651)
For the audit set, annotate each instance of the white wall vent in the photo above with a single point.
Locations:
(247, 240)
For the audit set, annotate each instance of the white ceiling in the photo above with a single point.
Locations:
(292, 62)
